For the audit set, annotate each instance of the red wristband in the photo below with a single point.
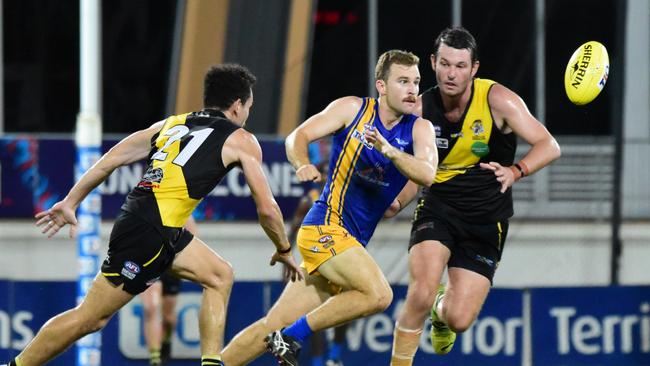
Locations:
(523, 167)
(516, 172)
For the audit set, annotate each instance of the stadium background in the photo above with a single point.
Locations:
(563, 294)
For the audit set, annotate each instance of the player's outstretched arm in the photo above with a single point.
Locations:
(509, 107)
(334, 117)
(131, 149)
(242, 147)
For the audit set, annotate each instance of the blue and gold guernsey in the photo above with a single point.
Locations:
(361, 182)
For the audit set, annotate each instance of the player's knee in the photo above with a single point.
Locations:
(222, 276)
(149, 309)
(459, 321)
(380, 299)
(386, 299)
(273, 322)
(169, 320)
(421, 296)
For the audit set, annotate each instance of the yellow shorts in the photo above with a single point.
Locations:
(319, 243)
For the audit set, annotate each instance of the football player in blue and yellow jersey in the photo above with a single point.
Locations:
(461, 221)
(377, 146)
(188, 156)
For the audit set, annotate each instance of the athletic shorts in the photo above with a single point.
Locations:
(171, 285)
(139, 252)
(319, 243)
(475, 247)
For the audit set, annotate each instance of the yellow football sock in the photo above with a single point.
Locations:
(211, 360)
(405, 345)
(154, 356)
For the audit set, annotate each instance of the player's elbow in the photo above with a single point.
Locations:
(427, 176)
(556, 152)
(295, 138)
(290, 141)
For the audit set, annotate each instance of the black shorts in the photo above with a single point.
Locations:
(140, 252)
(475, 247)
(171, 285)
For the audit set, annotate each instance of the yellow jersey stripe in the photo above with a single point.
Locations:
(476, 129)
(174, 205)
(335, 174)
(350, 169)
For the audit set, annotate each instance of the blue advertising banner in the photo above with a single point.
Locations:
(591, 326)
(35, 173)
(25, 306)
(494, 340)
(570, 326)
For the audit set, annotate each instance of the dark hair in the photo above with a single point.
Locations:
(388, 58)
(226, 83)
(458, 38)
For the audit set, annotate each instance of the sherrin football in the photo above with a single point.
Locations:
(586, 73)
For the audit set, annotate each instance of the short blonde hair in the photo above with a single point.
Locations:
(393, 57)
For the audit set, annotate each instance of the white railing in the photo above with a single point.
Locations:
(579, 185)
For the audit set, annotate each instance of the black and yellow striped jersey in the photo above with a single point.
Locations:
(185, 165)
(461, 184)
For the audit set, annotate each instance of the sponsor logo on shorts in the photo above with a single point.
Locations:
(314, 249)
(130, 270)
(325, 239)
(487, 261)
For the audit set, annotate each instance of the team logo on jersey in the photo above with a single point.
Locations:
(478, 130)
(374, 175)
(442, 143)
(401, 142)
(151, 178)
(361, 135)
(438, 130)
(130, 270)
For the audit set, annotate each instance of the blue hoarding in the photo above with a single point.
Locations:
(569, 326)
(591, 326)
(35, 173)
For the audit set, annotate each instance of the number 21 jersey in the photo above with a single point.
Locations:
(184, 166)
